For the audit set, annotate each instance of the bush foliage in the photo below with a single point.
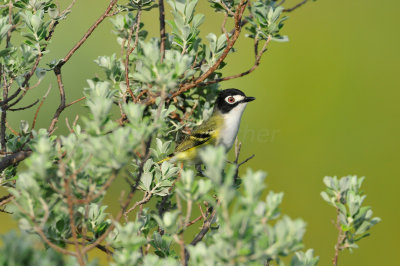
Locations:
(158, 87)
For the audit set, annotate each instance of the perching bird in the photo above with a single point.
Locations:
(220, 129)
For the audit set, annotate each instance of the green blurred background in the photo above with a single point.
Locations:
(327, 104)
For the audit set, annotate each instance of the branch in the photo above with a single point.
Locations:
(74, 102)
(61, 107)
(146, 198)
(88, 33)
(25, 107)
(295, 7)
(162, 28)
(204, 230)
(256, 64)
(238, 26)
(57, 69)
(6, 199)
(129, 51)
(3, 113)
(40, 106)
(13, 159)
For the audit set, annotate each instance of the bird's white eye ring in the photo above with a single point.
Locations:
(230, 99)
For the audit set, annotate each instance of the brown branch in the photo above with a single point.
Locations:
(13, 159)
(53, 26)
(61, 107)
(70, 203)
(74, 102)
(11, 129)
(295, 7)
(88, 33)
(194, 221)
(254, 67)
(147, 196)
(40, 106)
(6, 199)
(25, 107)
(3, 114)
(51, 244)
(228, 11)
(129, 51)
(162, 28)
(238, 16)
(245, 161)
(204, 230)
(223, 29)
(100, 247)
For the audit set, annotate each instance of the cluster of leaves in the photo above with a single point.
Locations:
(34, 21)
(354, 220)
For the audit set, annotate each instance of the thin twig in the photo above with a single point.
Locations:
(12, 130)
(245, 161)
(204, 230)
(6, 199)
(146, 198)
(3, 114)
(256, 64)
(40, 106)
(88, 33)
(129, 51)
(162, 28)
(295, 7)
(74, 102)
(223, 29)
(61, 107)
(25, 107)
(228, 11)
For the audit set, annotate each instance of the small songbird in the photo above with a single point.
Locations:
(220, 129)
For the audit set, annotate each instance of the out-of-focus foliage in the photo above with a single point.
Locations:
(354, 220)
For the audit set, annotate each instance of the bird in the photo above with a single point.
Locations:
(220, 129)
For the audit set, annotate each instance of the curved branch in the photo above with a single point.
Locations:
(88, 33)
(13, 159)
(295, 7)
(238, 27)
(256, 64)
(25, 107)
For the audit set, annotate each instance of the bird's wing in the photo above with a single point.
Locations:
(203, 134)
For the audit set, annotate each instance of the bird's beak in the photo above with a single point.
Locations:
(249, 99)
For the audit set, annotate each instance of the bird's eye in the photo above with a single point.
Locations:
(230, 99)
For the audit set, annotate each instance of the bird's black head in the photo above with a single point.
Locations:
(231, 98)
